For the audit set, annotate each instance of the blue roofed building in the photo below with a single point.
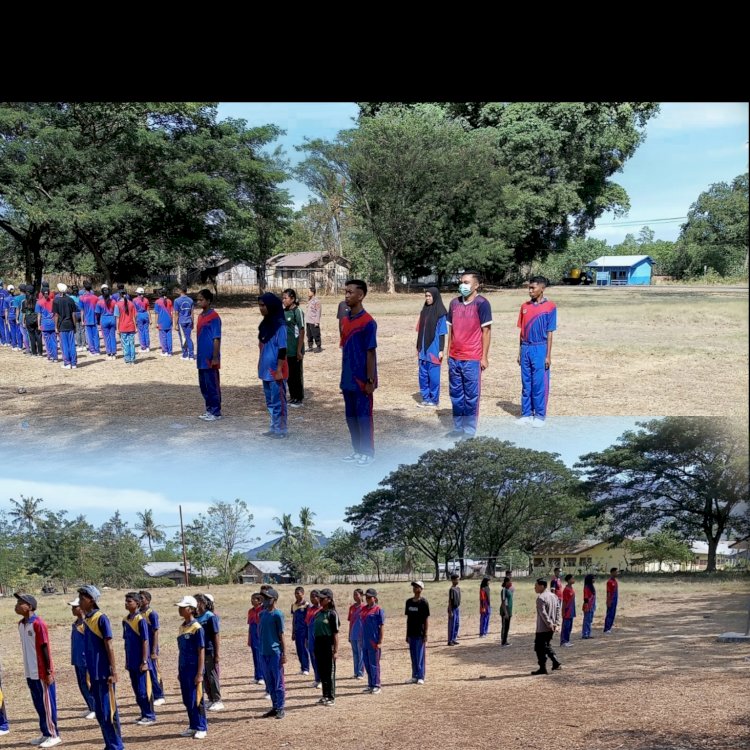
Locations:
(622, 270)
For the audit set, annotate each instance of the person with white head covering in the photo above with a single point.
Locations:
(142, 318)
(64, 310)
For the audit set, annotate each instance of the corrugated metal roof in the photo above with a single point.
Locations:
(269, 567)
(156, 569)
(621, 261)
(299, 260)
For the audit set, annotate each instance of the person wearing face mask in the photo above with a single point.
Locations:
(469, 328)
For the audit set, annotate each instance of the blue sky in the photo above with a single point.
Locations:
(688, 147)
(162, 480)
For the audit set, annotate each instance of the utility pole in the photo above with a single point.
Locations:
(184, 553)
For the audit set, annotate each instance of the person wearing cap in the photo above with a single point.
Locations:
(253, 637)
(454, 610)
(273, 653)
(78, 657)
(417, 611)
(38, 667)
(46, 323)
(80, 334)
(88, 301)
(64, 310)
(163, 309)
(310, 613)
(299, 629)
(153, 628)
(137, 658)
(105, 308)
(355, 633)
(373, 621)
(101, 666)
(210, 624)
(191, 644)
(183, 320)
(327, 626)
(125, 312)
(142, 319)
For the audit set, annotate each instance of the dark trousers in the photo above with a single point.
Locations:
(296, 381)
(35, 339)
(313, 335)
(505, 629)
(211, 679)
(326, 665)
(543, 649)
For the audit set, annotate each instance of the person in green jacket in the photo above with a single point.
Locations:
(506, 609)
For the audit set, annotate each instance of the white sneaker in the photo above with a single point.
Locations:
(88, 715)
(38, 741)
(160, 701)
(525, 420)
(412, 681)
(218, 706)
(303, 671)
(352, 457)
(567, 645)
(358, 677)
(187, 733)
(51, 742)
(420, 682)
(200, 735)
(267, 696)
(145, 722)
(537, 422)
(376, 690)
(365, 460)
(263, 682)
(210, 417)
(4, 732)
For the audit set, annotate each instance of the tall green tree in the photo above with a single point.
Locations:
(149, 530)
(690, 472)
(26, 512)
(230, 526)
(122, 556)
(660, 547)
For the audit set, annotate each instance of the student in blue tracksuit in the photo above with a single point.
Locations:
(101, 667)
(299, 629)
(253, 637)
(78, 658)
(23, 333)
(209, 356)
(485, 608)
(273, 652)
(138, 656)
(183, 310)
(454, 610)
(589, 605)
(310, 613)
(11, 320)
(88, 301)
(612, 597)
(80, 334)
(355, 633)
(153, 628)
(4, 727)
(163, 309)
(105, 309)
(191, 645)
(46, 323)
(431, 331)
(273, 369)
(417, 613)
(64, 310)
(142, 318)
(3, 297)
(373, 621)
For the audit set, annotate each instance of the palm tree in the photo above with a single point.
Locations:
(307, 532)
(26, 512)
(149, 530)
(287, 530)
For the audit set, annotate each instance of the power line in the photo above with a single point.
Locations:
(668, 220)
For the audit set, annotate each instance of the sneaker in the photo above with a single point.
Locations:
(319, 349)
(145, 722)
(160, 701)
(525, 420)
(423, 404)
(211, 418)
(607, 632)
(316, 684)
(38, 741)
(567, 645)
(185, 358)
(295, 404)
(4, 732)
(412, 681)
(537, 422)
(352, 457)
(74, 367)
(51, 742)
(376, 690)
(88, 715)
(557, 666)
(218, 706)
(504, 645)
(359, 677)
(269, 714)
(305, 672)
(323, 700)
(280, 714)
(420, 682)
(365, 460)
(200, 735)
(454, 434)
(187, 733)
(330, 702)
(263, 682)
(267, 696)
(540, 671)
(65, 367)
(367, 690)
(278, 435)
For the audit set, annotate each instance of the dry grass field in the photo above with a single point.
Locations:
(659, 682)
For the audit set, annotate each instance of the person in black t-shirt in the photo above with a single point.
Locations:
(417, 613)
(64, 309)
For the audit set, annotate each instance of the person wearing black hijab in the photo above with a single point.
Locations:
(589, 605)
(272, 365)
(431, 331)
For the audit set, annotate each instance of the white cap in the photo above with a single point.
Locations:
(418, 583)
(10, 287)
(75, 603)
(210, 597)
(62, 287)
(105, 286)
(140, 290)
(187, 601)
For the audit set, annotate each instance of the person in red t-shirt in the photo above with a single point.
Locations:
(568, 611)
(125, 314)
(612, 596)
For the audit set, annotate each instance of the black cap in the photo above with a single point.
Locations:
(270, 593)
(371, 592)
(28, 598)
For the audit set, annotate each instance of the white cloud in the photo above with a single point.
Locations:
(698, 116)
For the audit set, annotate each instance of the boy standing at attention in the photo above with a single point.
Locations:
(314, 314)
(612, 596)
(454, 610)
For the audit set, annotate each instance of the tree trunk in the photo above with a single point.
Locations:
(260, 275)
(101, 264)
(491, 567)
(713, 544)
(390, 276)
(436, 563)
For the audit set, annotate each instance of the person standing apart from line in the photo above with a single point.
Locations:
(125, 314)
(163, 309)
(485, 610)
(209, 621)
(153, 628)
(612, 596)
(355, 633)
(38, 667)
(537, 321)
(105, 308)
(78, 657)
(547, 622)
(191, 646)
(208, 359)
(137, 654)
(506, 609)
(327, 627)
(273, 651)
(64, 310)
(295, 346)
(142, 319)
(417, 612)
(373, 622)
(101, 666)
(431, 331)
(299, 629)
(359, 373)
(454, 610)
(183, 313)
(273, 369)
(313, 316)
(568, 611)
(589, 605)
(469, 332)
